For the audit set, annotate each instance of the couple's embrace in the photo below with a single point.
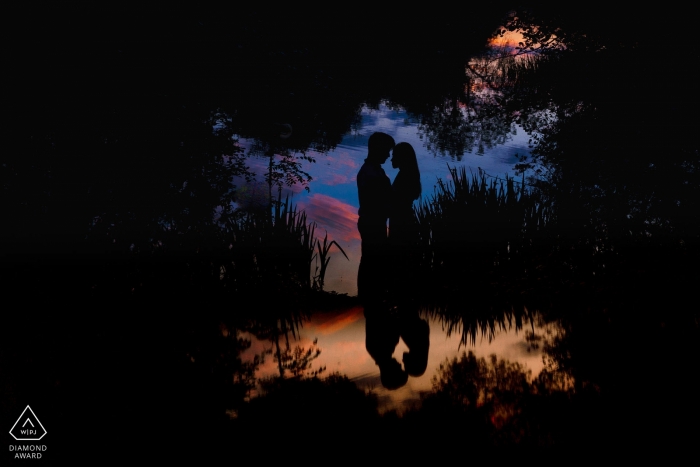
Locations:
(382, 201)
(385, 280)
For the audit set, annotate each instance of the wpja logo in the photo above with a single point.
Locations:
(28, 428)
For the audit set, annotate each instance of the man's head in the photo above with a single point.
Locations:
(379, 147)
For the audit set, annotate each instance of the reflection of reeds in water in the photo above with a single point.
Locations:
(476, 244)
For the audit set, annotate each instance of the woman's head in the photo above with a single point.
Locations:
(404, 157)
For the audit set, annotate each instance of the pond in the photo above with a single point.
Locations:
(332, 204)
(154, 274)
(341, 336)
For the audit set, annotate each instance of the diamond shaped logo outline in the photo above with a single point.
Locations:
(30, 422)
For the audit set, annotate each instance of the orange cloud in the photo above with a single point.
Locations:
(509, 40)
(334, 322)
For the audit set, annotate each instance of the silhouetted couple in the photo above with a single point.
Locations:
(385, 279)
(380, 200)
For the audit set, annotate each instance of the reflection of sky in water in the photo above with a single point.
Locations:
(341, 338)
(332, 201)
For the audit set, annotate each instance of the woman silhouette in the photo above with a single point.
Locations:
(403, 230)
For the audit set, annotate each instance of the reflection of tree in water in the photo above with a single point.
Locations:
(297, 412)
(494, 402)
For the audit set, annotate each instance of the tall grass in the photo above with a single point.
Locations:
(282, 245)
(477, 239)
(270, 258)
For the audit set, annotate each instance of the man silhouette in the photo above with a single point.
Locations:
(374, 193)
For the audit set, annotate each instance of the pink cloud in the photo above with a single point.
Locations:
(341, 158)
(334, 169)
(337, 179)
(338, 218)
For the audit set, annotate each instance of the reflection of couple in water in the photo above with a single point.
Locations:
(384, 280)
